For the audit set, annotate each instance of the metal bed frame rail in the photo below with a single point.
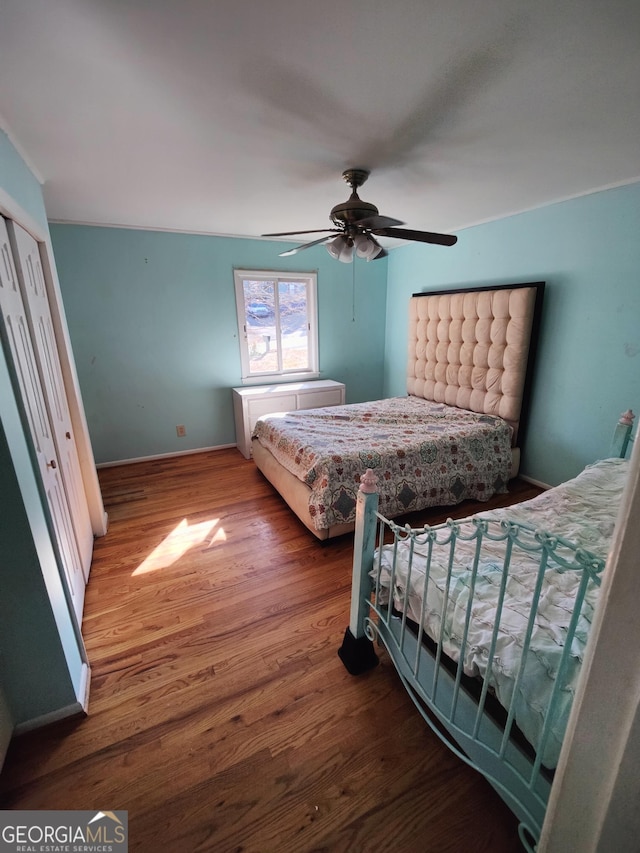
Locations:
(458, 716)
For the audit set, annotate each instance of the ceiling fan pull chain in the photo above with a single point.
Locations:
(353, 293)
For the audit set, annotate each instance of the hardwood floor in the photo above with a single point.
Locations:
(221, 716)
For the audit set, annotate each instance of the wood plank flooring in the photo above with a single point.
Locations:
(220, 715)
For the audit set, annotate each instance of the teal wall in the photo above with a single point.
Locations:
(588, 366)
(40, 658)
(152, 320)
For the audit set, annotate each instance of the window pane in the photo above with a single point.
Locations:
(294, 325)
(277, 323)
(259, 307)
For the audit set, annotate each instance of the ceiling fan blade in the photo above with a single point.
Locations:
(420, 236)
(297, 249)
(379, 222)
(292, 233)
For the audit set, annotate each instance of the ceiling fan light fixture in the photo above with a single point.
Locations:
(367, 247)
(335, 246)
(377, 250)
(346, 255)
(341, 248)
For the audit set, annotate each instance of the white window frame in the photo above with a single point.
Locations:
(281, 375)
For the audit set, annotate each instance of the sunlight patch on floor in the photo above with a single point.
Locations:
(181, 539)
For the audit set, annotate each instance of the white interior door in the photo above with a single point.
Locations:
(32, 283)
(18, 338)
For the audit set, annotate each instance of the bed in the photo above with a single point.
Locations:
(455, 436)
(486, 620)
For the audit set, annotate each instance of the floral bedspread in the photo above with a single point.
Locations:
(424, 454)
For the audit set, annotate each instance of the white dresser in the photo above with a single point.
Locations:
(251, 403)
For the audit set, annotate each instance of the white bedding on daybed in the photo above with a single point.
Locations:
(583, 511)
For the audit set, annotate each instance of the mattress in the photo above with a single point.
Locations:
(424, 453)
(582, 511)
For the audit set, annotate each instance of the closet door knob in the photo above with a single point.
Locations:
(68, 434)
(52, 464)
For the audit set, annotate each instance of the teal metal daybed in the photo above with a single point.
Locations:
(486, 620)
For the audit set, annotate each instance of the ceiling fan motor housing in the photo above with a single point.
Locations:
(350, 212)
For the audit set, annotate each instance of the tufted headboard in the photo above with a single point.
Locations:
(473, 348)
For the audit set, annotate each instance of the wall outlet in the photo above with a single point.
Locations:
(181, 430)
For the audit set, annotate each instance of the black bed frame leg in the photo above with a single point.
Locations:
(357, 654)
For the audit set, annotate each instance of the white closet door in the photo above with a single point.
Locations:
(18, 337)
(31, 278)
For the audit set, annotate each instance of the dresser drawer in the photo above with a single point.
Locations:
(316, 399)
(251, 403)
(266, 405)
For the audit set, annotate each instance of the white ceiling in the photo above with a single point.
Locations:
(238, 117)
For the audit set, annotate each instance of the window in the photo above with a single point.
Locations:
(277, 323)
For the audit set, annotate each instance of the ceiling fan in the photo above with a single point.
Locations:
(358, 223)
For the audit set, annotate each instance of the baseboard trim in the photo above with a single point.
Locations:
(85, 684)
(163, 456)
(76, 709)
(533, 482)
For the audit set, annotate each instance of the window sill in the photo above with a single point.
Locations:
(279, 379)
